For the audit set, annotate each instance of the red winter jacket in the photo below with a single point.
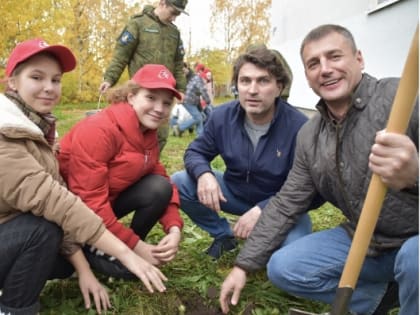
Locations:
(104, 154)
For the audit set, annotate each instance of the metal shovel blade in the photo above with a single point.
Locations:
(295, 311)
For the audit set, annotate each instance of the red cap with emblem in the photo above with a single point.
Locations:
(29, 48)
(153, 76)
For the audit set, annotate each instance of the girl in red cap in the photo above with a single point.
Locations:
(41, 222)
(111, 161)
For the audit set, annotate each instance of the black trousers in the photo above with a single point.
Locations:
(28, 250)
(148, 199)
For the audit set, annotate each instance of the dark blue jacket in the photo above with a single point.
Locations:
(254, 176)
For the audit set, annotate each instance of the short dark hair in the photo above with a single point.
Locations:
(326, 29)
(264, 58)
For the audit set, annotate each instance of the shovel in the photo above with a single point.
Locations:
(397, 123)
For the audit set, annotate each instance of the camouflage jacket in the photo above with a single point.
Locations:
(147, 40)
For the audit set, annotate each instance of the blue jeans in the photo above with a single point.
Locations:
(196, 119)
(311, 267)
(173, 121)
(28, 249)
(209, 220)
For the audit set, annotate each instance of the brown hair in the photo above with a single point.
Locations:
(119, 94)
(264, 58)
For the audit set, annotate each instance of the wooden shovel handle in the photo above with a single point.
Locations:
(399, 117)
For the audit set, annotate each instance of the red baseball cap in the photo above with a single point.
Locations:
(153, 76)
(29, 48)
(199, 67)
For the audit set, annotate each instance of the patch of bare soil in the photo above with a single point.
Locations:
(197, 305)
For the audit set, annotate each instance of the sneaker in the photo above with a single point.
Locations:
(221, 245)
(176, 131)
(389, 301)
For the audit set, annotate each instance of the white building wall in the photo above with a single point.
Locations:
(383, 36)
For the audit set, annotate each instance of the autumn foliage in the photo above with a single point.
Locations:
(90, 28)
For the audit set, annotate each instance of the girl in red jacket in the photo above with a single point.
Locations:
(111, 160)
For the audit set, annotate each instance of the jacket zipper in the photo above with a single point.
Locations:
(340, 175)
(146, 156)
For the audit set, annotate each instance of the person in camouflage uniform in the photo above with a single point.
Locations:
(150, 37)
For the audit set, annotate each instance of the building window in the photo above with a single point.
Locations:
(376, 5)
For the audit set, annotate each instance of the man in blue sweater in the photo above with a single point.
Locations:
(255, 136)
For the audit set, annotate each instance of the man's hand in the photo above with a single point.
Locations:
(104, 86)
(209, 192)
(246, 222)
(232, 286)
(182, 97)
(395, 159)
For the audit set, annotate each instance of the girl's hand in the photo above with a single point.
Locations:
(145, 251)
(150, 275)
(167, 248)
(89, 285)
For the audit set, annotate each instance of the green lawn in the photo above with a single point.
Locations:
(194, 279)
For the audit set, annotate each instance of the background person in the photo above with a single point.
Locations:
(196, 89)
(209, 82)
(255, 136)
(336, 152)
(188, 72)
(207, 108)
(178, 115)
(111, 161)
(41, 222)
(234, 91)
(150, 38)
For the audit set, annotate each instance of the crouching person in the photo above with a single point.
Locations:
(41, 222)
(255, 136)
(111, 160)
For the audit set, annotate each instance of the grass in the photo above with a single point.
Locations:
(194, 279)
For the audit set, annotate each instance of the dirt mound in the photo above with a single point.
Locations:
(197, 305)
